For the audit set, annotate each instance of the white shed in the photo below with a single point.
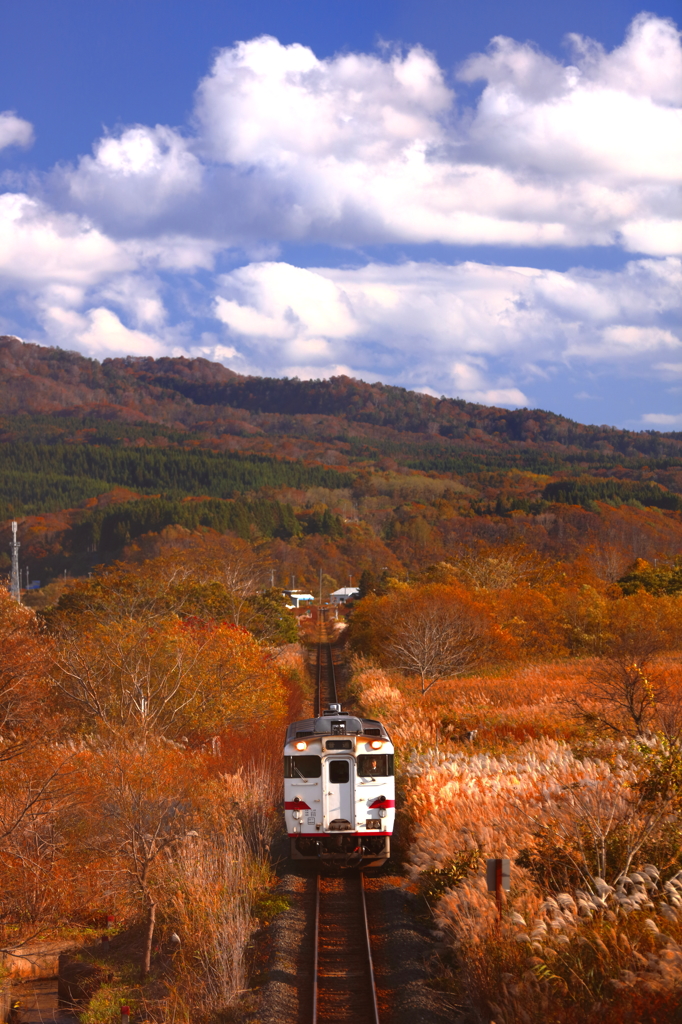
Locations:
(344, 594)
(297, 598)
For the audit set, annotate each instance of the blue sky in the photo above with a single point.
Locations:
(470, 199)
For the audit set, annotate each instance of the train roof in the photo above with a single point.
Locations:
(323, 726)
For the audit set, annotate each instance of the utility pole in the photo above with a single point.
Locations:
(15, 579)
(320, 594)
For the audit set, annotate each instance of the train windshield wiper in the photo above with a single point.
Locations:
(303, 777)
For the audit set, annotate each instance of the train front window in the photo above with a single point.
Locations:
(304, 766)
(375, 765)
(339, 771)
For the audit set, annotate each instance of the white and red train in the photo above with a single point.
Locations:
(339, 789)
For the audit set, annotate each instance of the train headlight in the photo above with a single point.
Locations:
(301, 745)
(376, 744)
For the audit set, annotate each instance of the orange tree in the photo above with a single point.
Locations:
(173, 679)
(144, 801)
(24, 658)
(628, 691)
(433, 631)
(128, 655)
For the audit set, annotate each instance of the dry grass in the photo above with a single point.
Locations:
(215, 885)
(528, 702)
(215, 880)
(603, 953)
(584, 935)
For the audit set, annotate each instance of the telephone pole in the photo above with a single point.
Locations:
(15, 579)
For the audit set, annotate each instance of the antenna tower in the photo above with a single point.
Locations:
(15, 581)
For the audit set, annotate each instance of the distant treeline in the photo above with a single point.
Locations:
(91, 429)
(42, 478)
(26, 494)
(465, 460)
(586, 490)
(110, 529)
(386, 406)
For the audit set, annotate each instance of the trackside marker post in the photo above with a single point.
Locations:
(125, 1015)
(498, 877)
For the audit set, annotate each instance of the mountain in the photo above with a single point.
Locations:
(203, 400)
(95, 455)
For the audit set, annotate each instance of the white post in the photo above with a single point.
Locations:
(15, 578)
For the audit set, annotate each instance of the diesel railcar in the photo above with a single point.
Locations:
(339, 789)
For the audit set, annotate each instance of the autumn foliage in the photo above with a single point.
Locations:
(137, 730)
(519, 631)
(557, 746)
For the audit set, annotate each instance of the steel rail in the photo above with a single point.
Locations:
(373, 1007)
(331, 678)
(316, 941)
(318, 695)
(368, 946)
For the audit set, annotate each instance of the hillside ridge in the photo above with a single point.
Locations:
(197, 393)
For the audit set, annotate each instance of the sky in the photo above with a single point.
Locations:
(472, 200)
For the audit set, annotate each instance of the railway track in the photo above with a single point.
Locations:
(325, 691)
(343, 976)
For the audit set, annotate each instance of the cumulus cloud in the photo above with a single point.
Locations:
(662, 421)
(484, 330)
(14, 131)
(66, 274)
(99, 332)
(141, 172)
(116, 253)
(361, 148)
(38, 245)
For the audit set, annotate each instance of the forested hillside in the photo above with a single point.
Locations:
(98, 458)
(210, 400)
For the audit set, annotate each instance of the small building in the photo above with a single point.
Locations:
(297, 599)
(344, 594)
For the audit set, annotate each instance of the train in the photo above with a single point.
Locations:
(339, 789)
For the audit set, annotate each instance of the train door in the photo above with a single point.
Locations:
(338, 790)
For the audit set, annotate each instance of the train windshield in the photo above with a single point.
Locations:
(339, 771)
(375, 765)
(305, 766)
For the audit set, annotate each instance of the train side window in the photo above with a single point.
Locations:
(375, 765)
(306, 766)
(339, 771)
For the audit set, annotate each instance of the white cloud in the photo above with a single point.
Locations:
(674, 368)
(14, 131)
(366, 148)
(615, 116)
(100, 333)
(39, 246)
(138, 296)
(623, 337)
(484, 330)
(655, 236)
(662, 419)
(141, 172)
(360, 149)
